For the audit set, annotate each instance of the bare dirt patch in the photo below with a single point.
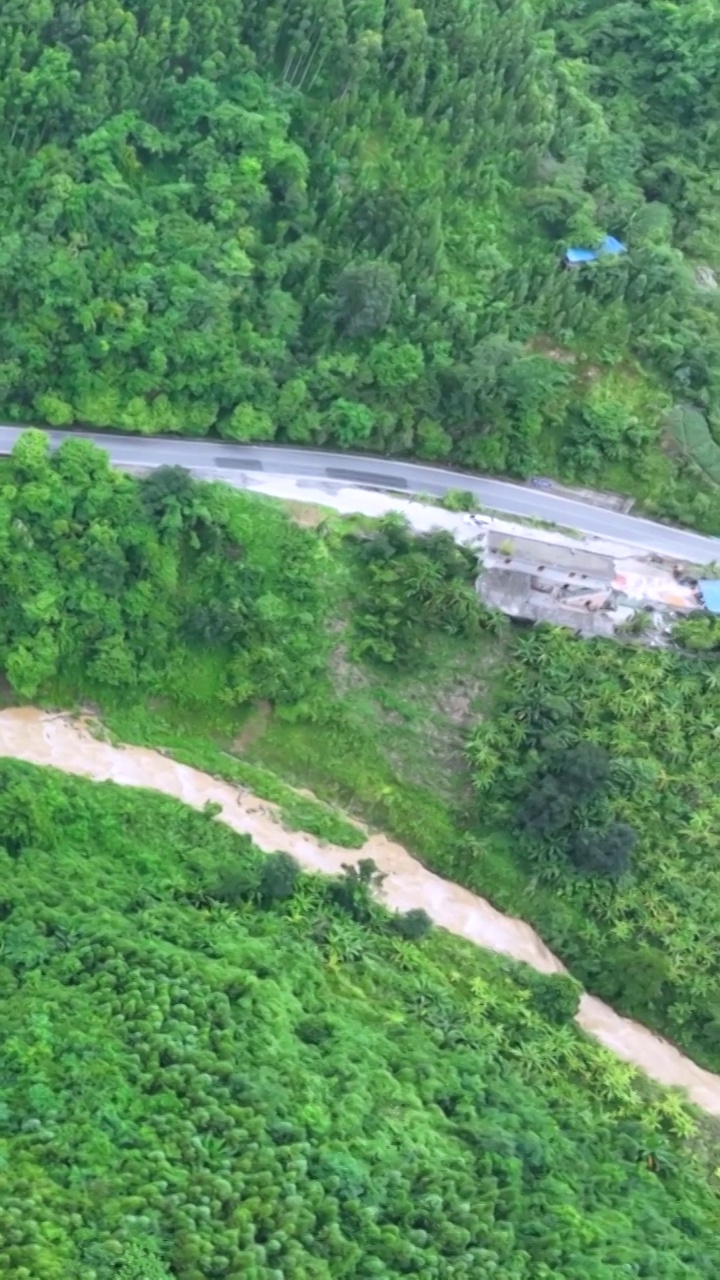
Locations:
(346, 674)
(254, 727)
(307, 514)
(545, 346)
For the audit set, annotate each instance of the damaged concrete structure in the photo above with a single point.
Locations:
(590, 585)
(539, 580)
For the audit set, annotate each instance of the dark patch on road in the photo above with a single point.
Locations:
(240, 464)
(364, 477)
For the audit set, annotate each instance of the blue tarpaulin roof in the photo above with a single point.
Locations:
(609, 245)
(581, 255)
(710, 592)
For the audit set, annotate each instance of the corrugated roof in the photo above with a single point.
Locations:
(710, 592)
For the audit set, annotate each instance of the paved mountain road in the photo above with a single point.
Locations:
(406, 477)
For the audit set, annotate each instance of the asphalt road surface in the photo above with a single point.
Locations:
(404, 477)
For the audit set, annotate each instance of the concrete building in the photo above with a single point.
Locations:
(590, 588)
(564, 562)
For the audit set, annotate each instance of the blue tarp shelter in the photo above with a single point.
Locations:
(710, 592)
(580, 255)
(609, 246)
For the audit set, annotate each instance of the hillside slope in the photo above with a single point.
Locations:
(177, 606)
(344, 222)
(212, 1067)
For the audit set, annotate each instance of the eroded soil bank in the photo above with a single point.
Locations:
(45, 739)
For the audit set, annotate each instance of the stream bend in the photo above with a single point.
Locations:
(42, 738)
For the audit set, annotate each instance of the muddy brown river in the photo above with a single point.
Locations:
(47, 739)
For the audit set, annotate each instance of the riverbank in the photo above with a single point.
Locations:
(57, 741)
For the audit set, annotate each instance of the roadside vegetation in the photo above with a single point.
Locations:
(354, 660)
(150, 586)
(214, 1065)
(344, 224)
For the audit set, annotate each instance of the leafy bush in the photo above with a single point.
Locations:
(354, 891)
(139, 1263)
(409, 584)
(459, 500)
(547, 809)
(238, 883)
(606, 852)
(278, 878)
(582, 771)
(701, 633)
(555, 807)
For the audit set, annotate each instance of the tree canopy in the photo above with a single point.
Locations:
(344, 223)
(600, 762)
(286, 1087)
(159, 586)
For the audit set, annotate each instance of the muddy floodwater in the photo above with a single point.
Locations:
(47, 739)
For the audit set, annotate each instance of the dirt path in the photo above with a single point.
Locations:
(40, 738)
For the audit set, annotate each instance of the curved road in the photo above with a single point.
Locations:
(352, 470)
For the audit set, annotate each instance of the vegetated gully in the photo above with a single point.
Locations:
(42, 738)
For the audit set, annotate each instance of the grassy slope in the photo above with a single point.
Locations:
(395, 757)
(387, 747)
(390, 752)
(289, 1093)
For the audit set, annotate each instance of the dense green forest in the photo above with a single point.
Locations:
(162, 586)
(601, 764)
(213, 1066)
(344, 221)
(196, 592)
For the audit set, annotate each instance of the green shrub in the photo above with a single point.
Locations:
(459, 500)
(278, 878)
(414, 924)
(555, 996)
